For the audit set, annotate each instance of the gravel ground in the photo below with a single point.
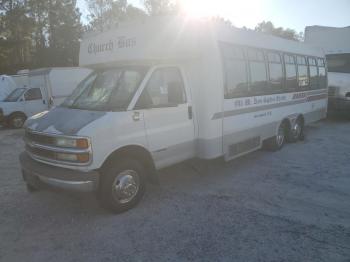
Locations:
(292, 205)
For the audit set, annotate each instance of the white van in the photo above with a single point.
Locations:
(7, 85)
(336, 45)
(47, 87)
(166, 90)
(21, 78)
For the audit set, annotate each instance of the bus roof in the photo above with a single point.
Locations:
(170, 38)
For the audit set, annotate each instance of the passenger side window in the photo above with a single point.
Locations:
(258, 78)
(303, 77)
(236, 84)
(313, 73)
(275, 72)
(33, 94)
(291, 72)
(164, 89)
(322, 80)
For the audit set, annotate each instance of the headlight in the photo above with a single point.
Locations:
(81, 143)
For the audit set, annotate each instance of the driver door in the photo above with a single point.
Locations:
(167, 112)
(34, 102)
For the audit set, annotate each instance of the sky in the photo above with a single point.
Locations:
(294, 14)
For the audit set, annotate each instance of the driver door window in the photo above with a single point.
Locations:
(164, 89)
(34, 102)
(33, 94)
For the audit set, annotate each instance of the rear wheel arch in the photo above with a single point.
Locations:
(17, 113)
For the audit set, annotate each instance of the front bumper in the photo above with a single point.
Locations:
(35, 173)
(338, 104)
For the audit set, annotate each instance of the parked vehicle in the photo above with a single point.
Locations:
(47, 87)
(335, 43)
(21, 78)
(7, 85)
(164, 91)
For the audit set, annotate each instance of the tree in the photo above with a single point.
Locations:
(107, 13)
(268, 28)
(38, 33)
(162, 7)
(15, 35)
(64, 30)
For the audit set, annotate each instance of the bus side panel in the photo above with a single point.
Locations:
(208, 97)
(247, 122)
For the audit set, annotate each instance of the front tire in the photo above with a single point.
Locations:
(122, 185)
(17, 121)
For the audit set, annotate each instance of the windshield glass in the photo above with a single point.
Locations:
(339, 63)
(107, 90)
(14, 95)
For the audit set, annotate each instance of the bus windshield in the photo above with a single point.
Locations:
(107, 90)
(338, 63)
(14, 95)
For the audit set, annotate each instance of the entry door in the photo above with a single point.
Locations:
(168, 117)
(34, 102)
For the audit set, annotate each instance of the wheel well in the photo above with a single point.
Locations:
(135, 152)
(16, 114)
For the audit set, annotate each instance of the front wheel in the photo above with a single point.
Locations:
(17, 121)
(122, 185)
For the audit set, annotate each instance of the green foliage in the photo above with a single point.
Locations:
(268, 28)
(106, 13)
(38, 33)
(162, 7)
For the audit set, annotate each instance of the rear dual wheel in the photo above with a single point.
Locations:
(277, 142)
(296, 132)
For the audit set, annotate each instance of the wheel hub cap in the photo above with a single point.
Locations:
(17, 122)
(126, 186)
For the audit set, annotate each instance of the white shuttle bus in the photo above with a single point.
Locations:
(167, 90)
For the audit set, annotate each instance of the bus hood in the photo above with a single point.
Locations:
(62, 120)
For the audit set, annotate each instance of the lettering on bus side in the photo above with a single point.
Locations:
(258, 100)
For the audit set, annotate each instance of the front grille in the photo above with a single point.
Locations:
(40, 139)
(41, 152)
(42, 147)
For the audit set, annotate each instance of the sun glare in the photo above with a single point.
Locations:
(241, 13)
